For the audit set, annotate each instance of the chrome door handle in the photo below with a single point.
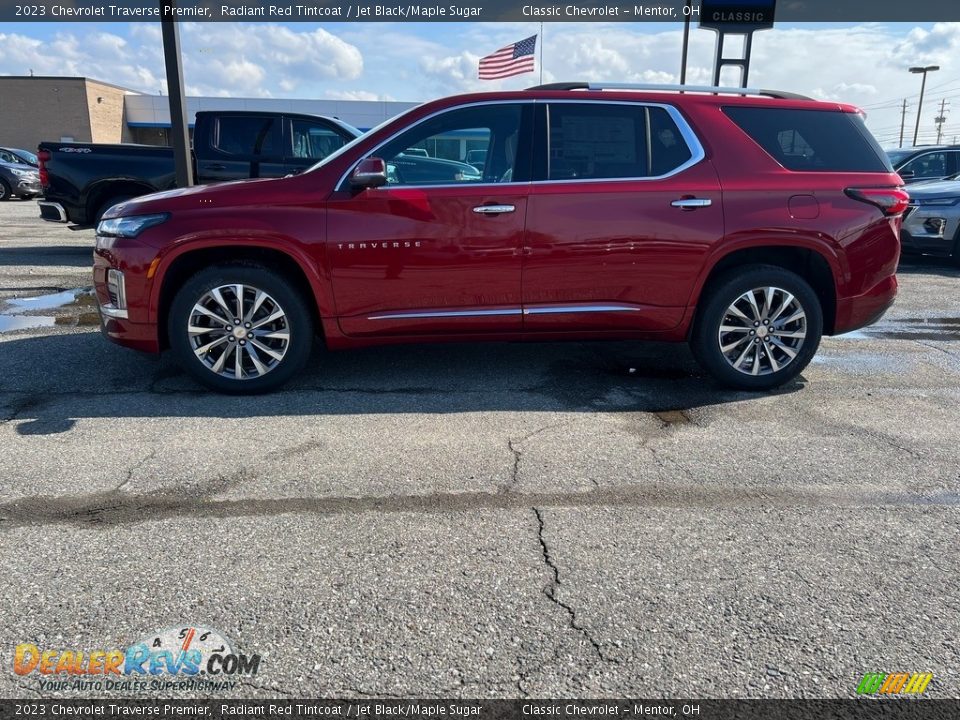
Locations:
(493, 209)
(692, 203)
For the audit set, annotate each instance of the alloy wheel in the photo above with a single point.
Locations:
(238, 331)
(762, 331)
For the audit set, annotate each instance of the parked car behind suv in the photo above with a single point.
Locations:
(925, 163)
(745, 222)
(931, 224)
(20, 180)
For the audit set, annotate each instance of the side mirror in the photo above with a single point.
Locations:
(370, 172)
(907, 174)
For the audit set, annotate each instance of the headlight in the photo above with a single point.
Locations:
(25, 173)
(937, 201)
(130, 226)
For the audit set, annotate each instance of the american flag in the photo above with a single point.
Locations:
(514, 59)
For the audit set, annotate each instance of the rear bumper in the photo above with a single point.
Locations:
(52, 211)
(862, 310)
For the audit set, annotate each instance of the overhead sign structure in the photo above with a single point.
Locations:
(736, 17)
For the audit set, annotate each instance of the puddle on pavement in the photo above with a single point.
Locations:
(70, 308)
(943, 329)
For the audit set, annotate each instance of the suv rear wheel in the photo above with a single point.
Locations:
(240, 329)
(759, 327)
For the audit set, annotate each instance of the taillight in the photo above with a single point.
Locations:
(42, 157)
(891, 201)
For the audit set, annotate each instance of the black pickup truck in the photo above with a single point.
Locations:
(81, 180)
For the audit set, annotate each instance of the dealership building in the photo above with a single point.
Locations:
(79, 109)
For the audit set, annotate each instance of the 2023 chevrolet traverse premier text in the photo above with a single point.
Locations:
(745, 222)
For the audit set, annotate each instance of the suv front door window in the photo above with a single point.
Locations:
(491, 128)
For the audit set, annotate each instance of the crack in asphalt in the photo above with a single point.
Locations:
(518, 453)
(934, 346)
(133, 468)
(550, 591)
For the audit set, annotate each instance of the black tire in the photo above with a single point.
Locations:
(27, 197)
(98, 215)
(298, 323)
(721, 294)
(955, 255)
(4, 190)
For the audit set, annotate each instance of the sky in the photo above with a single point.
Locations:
(864, 64)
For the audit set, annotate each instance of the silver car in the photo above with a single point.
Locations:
(932, 221)
(19, 179)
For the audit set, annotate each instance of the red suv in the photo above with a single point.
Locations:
(745, 222)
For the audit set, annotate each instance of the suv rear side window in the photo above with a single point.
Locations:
(812, 140)
(608, 141)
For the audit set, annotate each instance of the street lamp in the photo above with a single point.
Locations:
(923, 84)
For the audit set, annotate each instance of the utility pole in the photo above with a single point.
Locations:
(903, 120)
(941, 119)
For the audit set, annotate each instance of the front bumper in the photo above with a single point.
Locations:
(27, 186)
(123, 313)
(930, 229)
(139, 336)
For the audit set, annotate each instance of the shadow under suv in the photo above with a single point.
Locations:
(748, 223)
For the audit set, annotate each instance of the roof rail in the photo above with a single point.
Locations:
(670, 88)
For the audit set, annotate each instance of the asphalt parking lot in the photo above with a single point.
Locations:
(484, 520)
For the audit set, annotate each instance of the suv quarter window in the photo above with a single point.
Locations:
(612, 141)
(812, 140)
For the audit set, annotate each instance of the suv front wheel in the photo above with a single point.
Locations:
(759, 327)
(240, 329)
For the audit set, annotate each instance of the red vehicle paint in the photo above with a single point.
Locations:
(629, 214)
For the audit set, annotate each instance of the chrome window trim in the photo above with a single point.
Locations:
(697, 151)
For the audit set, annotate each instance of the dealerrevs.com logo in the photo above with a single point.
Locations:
(187, 658)
(894, 683)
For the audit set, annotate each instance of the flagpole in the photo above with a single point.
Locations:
(541, 53)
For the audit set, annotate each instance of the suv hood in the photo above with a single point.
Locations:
(948, 188)
(225, 194)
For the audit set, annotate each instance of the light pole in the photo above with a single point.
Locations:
(923, 85)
